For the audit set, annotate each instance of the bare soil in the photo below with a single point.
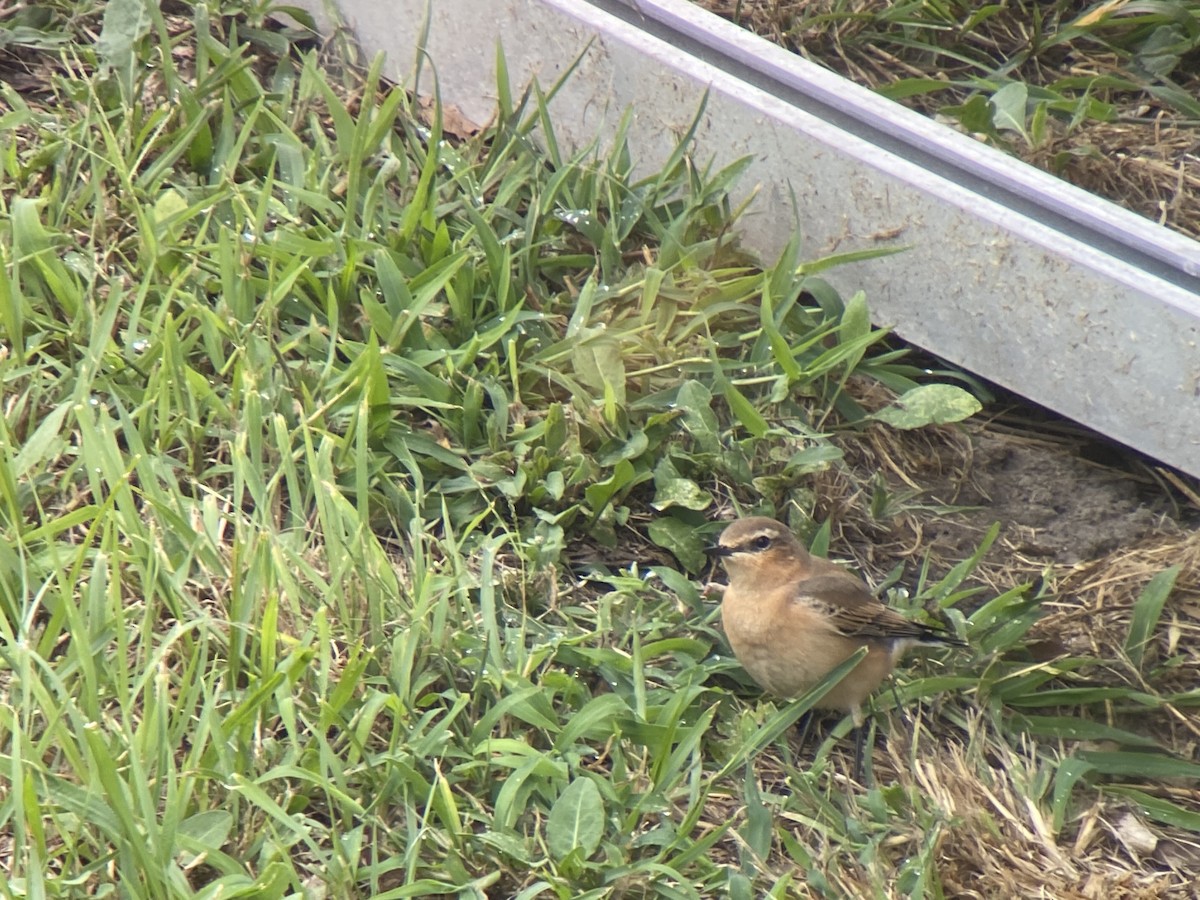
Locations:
(1056, 506)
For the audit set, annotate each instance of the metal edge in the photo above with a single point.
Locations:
(937, 147)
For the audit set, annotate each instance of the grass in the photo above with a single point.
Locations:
(354, 483)
(1102, 94)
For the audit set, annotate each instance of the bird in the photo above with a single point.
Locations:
(791, 618)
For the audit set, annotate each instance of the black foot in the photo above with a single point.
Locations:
(803, 727)
(858, 752)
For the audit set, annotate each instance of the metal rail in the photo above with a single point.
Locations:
(938, 149)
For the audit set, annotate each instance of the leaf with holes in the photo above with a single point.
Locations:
(681, 492)
(930, 404)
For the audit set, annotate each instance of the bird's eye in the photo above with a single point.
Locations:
(762, 542)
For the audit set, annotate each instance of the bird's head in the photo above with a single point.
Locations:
(759, 547)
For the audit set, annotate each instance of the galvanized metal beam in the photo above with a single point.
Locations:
(1041, 287)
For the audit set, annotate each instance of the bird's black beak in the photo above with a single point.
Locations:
(718, 551)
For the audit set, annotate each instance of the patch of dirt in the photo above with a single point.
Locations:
(1063, 496)
(1098, 532)
(1054, 505)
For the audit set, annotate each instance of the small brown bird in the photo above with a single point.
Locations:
(791, 618)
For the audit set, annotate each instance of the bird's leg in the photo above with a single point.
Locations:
(858, 752)
(803, 727)
(904, 716)
(861, 726)
(909, 722)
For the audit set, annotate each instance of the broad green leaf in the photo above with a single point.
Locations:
(599, 364)
(623, 476)
(745, 412)
(695, 400)
(556, 429)
(780, 350)
(974, 115)
(1008, 105)
(36, 245)
(576, 820)
(1069, 772)
(44, 443)
(912, 87)
(167, 208)
(679, 584)
(125, 23)
(593, 721)
(855, 327)
(814, 458)
(1082, 697)
(208, 831)
(759, 830)
(210, 828)
(1161, 52)
(682, 539)
(629, 449)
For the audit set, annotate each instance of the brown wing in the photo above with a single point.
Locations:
(854, 611)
